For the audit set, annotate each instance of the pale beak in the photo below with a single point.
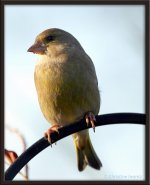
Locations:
(38, 48)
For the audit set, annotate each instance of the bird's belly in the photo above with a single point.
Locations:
(58, 108)
(59, 103)
(64, 100)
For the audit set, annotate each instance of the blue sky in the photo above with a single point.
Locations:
(113, 36)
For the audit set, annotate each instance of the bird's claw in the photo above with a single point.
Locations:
(90, 119)
(51, 130)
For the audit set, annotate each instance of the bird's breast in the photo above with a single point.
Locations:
(63, 91)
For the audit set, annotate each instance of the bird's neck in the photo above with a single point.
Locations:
(48, 59)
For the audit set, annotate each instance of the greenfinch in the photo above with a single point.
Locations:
(67, 88)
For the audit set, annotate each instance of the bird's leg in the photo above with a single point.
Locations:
(52, 129)
(90, 119)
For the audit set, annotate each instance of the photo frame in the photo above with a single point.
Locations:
(3, 68)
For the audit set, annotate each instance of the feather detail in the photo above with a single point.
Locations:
(86, 154)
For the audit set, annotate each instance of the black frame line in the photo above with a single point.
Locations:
(146, 3)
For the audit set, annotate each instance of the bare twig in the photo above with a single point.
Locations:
(18, 134)
(11, 156)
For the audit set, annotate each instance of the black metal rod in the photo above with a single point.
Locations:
(106, 119)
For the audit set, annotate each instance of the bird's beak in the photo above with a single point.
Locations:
(38, 48)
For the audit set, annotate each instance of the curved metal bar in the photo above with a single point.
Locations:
(41, 144)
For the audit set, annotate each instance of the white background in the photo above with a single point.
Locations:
(113, 36)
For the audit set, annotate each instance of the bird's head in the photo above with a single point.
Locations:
(54, 41)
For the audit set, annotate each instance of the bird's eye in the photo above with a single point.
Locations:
(49, 38)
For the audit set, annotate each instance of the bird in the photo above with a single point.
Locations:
(67, 89)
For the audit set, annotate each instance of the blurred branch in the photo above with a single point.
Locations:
(107, 119)
(18, 134)
(11, 156)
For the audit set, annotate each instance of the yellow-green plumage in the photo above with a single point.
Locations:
(67, 88)
(86, 154)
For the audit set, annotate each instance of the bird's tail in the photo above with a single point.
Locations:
(86, 154)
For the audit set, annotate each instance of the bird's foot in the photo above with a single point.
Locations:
(90, 119)
(47, 134)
